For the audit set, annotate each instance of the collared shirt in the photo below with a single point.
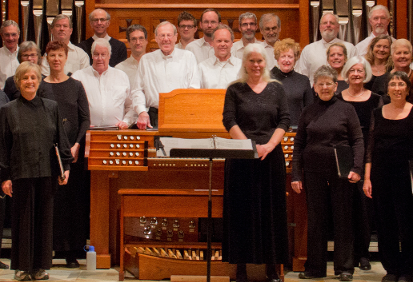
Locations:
(314, 56)
(158, 73)
(108, 95)
(8, 64)
(271, 62)
(107, 37)
(77, 59)
(201, 49)
(364, 44)
(129, 66)
(218, 75)
(238, 47)
(179, 45)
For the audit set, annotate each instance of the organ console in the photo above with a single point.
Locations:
(162, 200)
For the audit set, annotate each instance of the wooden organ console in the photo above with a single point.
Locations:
(162, 200)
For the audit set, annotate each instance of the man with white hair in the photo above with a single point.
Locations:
(314, 55)
(10, 33)
(162, 71)
(270, 28)
(248, 27)
(379, 18)
(220, 70)
(107, 90)
(77, 59)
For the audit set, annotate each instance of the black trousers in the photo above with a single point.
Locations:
(2, 216)
(361, 222)
(153, 116)
(32, 226)
(327, 196)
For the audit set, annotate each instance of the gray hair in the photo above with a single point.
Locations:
(224, 26)
(354, 61)
(325, 71)
(61, 17)
(247, 15)
(101, 42)
(9, 23)
(135, 27)
(401, 42)
(379, 7)
(267, 17)
(335, 16)
(27, 46)
(165, 23)
(91, 14)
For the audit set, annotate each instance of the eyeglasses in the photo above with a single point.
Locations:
(395, 84)
(102, 20)
(137, 39)
(186, 26)
(27, 56)
(248, 24)
(163, 36)
(103, 56)
(327, 84)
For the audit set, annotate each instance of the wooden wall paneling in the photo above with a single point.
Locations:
(13, 10)
(401, 19)
(304, 23)
(89, 7)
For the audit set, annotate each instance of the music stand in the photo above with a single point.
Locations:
(212, 154)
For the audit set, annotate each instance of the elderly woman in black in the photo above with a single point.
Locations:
(387, 179)
(255, 220)
(29, 128)
(327, 123)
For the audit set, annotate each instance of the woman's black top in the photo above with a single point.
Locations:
(257, 115)
(341, 86)
(28, 131)
(298, 90)
(377, 84)
(323, 125)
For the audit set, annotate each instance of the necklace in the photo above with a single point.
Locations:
(355, 95)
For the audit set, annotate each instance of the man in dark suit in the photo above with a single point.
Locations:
(100, 20)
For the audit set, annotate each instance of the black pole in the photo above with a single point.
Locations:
(209, 225)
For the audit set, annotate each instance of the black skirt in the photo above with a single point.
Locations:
(255, 217)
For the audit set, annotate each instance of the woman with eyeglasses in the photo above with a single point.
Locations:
(387, 179)
(327, 123)
(401, 53)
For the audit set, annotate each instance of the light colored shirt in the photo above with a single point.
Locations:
(201, 49)
(314, 56)
(238, 47)
(364, 44)
(158, 73)
(107, 37)
(179, 45)
(218, 75)
(108, 95)
(129, 66)
(271, 62)
(8, 64)
(77, 59)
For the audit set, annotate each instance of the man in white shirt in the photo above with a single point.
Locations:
(220, 70)
(100, 20)
(186, 28)
(77, 59)
(248, 27)
(202, 48)
(10, 34)
(162, 71)
(270, 28)
(137, 37)
(107, 90)
(379, 18)
(314, 55)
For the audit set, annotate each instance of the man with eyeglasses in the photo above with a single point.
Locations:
(99, 21)
(270, 28)
(137, 37)
(202, 48)
(107, 89)
(161, 71)
(77, 59)
(10, 34)
(187, 28)
(248, 27)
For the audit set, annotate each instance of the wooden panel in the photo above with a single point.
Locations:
(401, 19)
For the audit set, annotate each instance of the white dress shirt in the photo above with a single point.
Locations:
(77, 59)
(314, 56)
(271, 62)
(238, 47)
(8, 64)
(218, 75)
(129, 66)
(179, 45)
(158, 73)
(201, 49)
(108, 95)
(364, 44)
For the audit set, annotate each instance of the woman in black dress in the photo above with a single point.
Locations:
(30, 126)
(296, 86)
(327, 123)
(387, 179)
(357, 72)
(71, 213)
(255, 220)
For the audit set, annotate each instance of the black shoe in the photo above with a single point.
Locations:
(72, 264)
(308, 275)
(345, 276)
(365, 264)
(3, 266)
(389, 278)
(274, 280)
(405, 278)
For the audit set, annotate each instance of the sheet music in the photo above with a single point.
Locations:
(182, 143)
(223, 143)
